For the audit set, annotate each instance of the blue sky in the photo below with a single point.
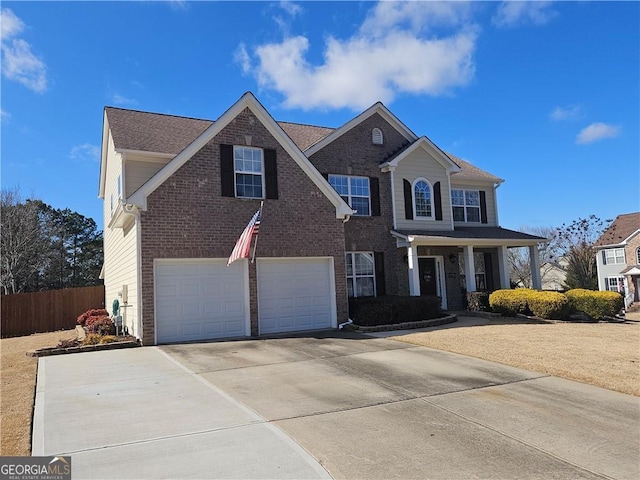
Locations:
(542, 94)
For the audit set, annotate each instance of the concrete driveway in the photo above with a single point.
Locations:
(360, 407)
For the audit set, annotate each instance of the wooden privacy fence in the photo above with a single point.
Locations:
(48, 311)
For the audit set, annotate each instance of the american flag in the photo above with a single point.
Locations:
(243, 245)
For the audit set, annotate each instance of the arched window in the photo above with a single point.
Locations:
(376, 136)
(422, 200)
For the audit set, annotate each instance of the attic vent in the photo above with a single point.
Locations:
(376, 136)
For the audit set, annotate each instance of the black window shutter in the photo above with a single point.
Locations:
(437, 200)
(488, 271)
(604, 257)
(227, 182)
(378, 258)
(408, 200)
(483, 206)
(271, 174)
(374, 188)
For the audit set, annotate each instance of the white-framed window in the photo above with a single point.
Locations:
(355, 191)
(376, 136)
(481, 276)
(613, 256)
(361, 274)
(248, 164)
(466, 205)
(422, 199)
(615, 284)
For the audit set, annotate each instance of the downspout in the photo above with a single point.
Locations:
(341, 326)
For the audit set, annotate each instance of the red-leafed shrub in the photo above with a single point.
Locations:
(96, 312)
(100, 325)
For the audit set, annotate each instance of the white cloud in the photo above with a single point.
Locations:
(597, 131)
(390, 54)
(290, 7)
(85, 152)
(514, 13)
(4, 115)
(19, 63)
(121, 100)
(566, 113)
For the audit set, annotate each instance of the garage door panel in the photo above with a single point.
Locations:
(199, 300)
(294, 294)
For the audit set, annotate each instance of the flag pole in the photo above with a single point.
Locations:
(255, 245)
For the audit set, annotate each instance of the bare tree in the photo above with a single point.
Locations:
(22, 242)
(520, 263)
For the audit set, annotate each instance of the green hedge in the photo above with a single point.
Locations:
(554, 305)
(389, 310)
(595, 304)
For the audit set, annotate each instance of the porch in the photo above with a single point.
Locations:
(468, 259)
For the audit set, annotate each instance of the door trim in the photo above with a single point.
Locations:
(441, 284)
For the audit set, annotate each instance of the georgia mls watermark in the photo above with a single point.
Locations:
(35, 468)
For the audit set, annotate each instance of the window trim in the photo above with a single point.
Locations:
(617, 279)
(465, 206)
(349, 194)
(242, 172)
(413, 200)
(377, 138)
(351, 258)
(615, 257)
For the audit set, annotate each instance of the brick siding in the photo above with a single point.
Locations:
(187, 217)
(355, 154)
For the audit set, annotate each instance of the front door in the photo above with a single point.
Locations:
(428, 276)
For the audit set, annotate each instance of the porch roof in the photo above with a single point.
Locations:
(462, 236)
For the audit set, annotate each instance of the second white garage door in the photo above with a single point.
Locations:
(200, 299)
(295, 294)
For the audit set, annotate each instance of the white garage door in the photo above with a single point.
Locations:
(295, 294)
(200, 299)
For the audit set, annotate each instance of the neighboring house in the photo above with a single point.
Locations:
(618, 257)
(366, 209)
(554, 274)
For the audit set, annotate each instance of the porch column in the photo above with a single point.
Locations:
(414, 271)
(469, 268)
(503, 266)
(536, 280)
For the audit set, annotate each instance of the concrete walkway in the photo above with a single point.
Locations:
(137, 414)
(355, 405)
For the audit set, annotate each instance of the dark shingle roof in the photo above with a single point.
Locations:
(470, 171)
(153, 132)
(474, 232)
(304, 136)
(623, 226)
(162, 133)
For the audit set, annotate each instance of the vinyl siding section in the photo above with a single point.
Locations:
(139, 171)
(609, 270)
(120, 245)
(420, 164)
(490, 193)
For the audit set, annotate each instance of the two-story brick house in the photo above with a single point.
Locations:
(365, 209)
(618, 258)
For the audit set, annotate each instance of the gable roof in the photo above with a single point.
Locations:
(139, 197)
(426, 144)
(623, 227)
(378, 108)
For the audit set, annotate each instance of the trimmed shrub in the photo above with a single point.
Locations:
(511, 302)
(96, 312)
(100, 325)
(389, 310)
(478, 301)
(597, 305)
(550, 305)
